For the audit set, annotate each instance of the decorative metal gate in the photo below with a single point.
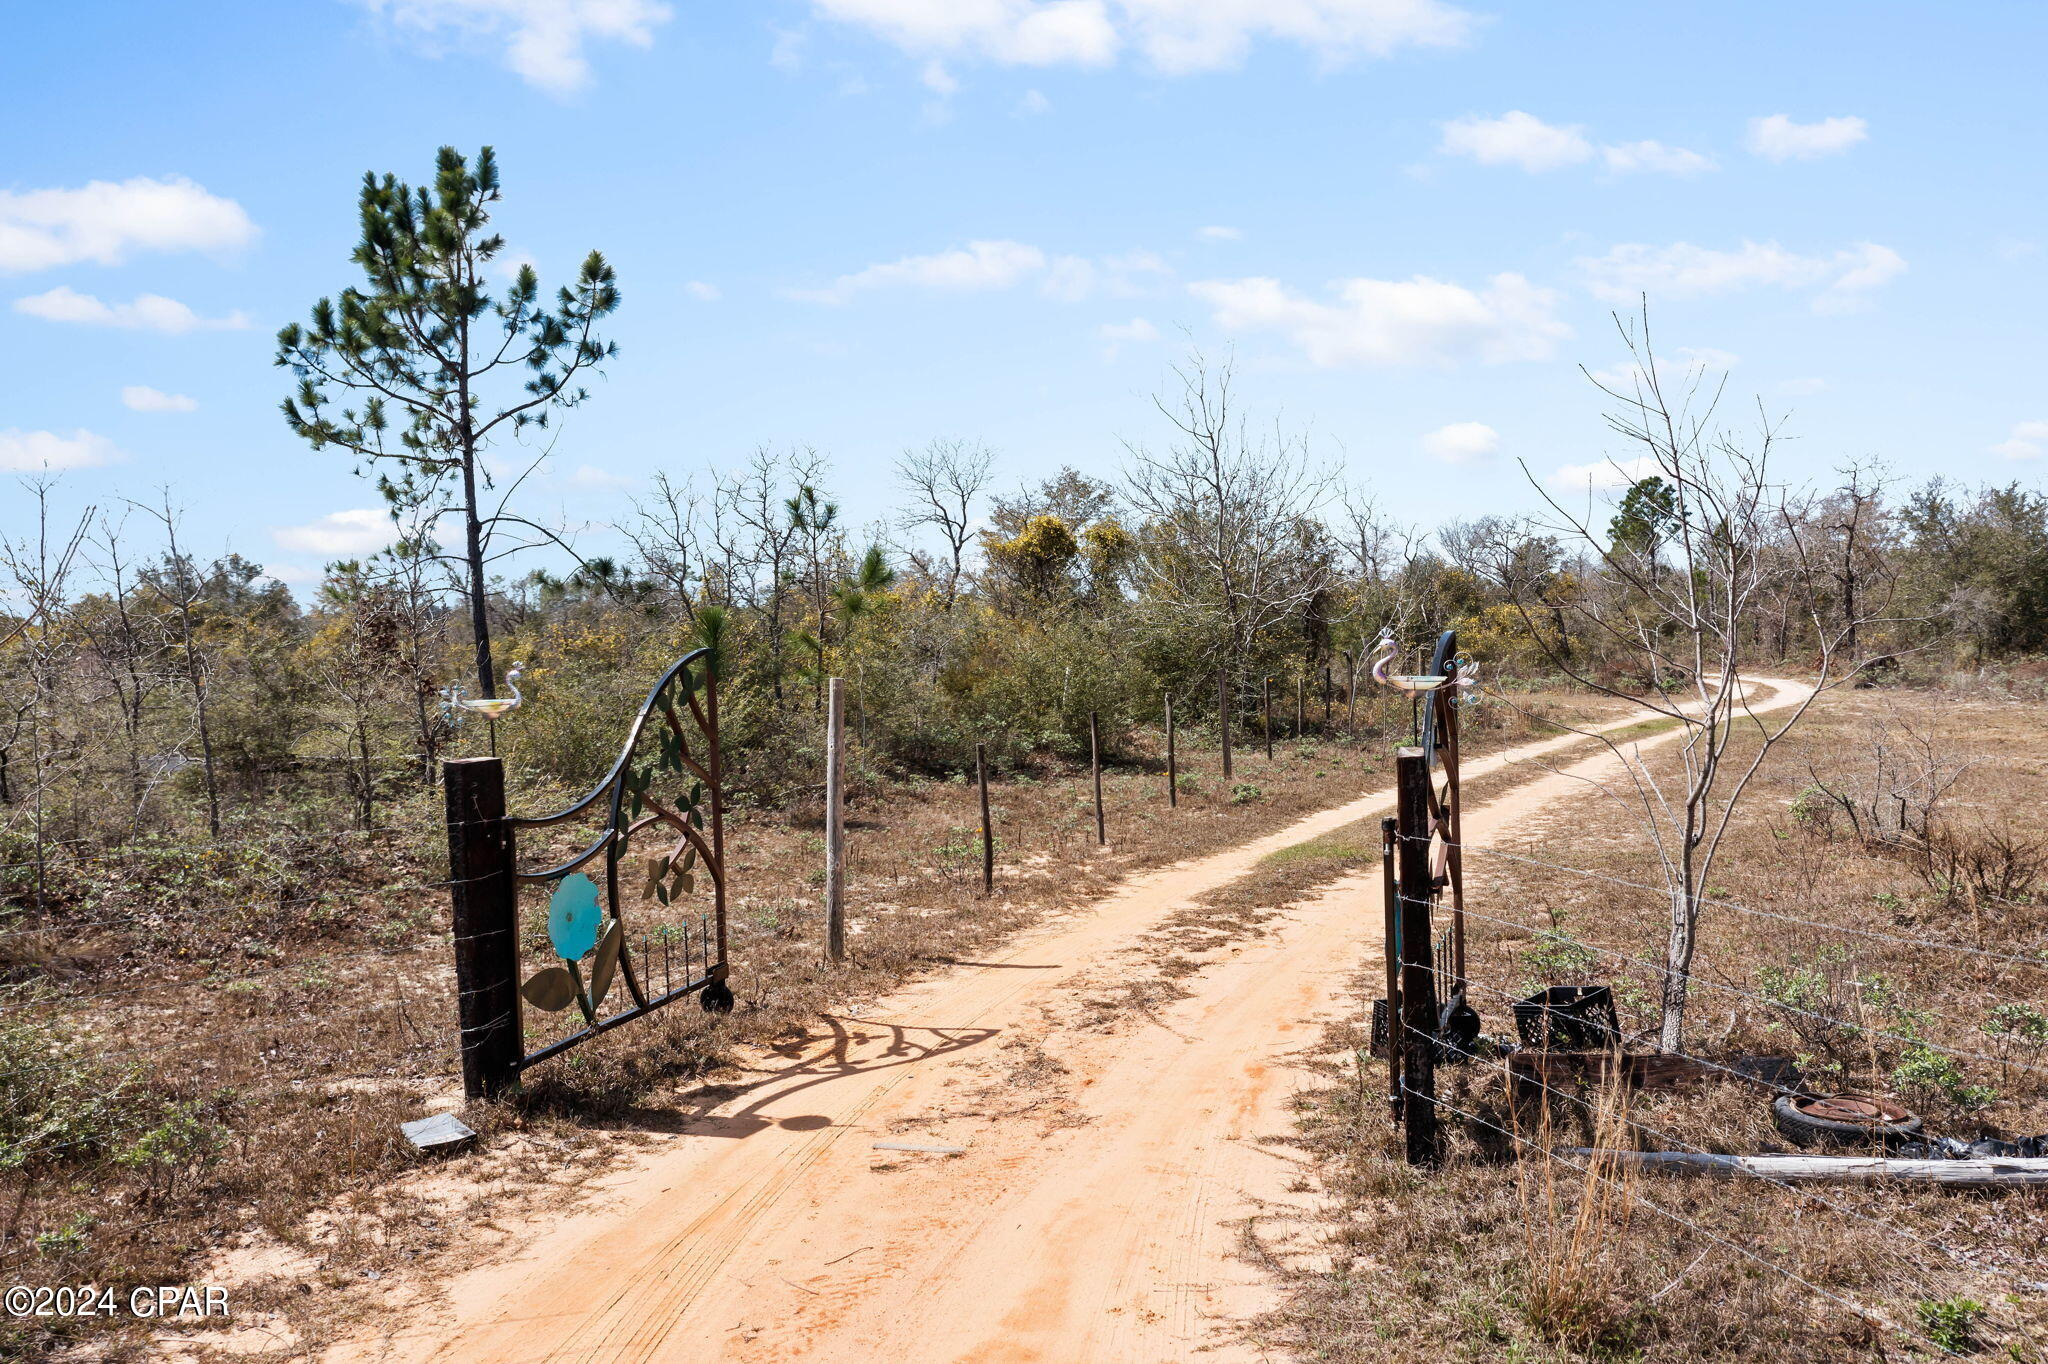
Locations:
(675, 788)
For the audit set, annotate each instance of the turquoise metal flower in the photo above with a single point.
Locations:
(574, 917)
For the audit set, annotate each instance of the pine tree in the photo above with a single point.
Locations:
(435, 367)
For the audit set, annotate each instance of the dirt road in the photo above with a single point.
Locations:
(1110, 1158)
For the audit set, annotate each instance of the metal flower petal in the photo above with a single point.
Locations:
(574, 917)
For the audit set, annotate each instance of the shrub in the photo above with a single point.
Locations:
(1951, 1323)
(2022, 1021)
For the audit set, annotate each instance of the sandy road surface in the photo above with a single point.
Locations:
(1094, 1216)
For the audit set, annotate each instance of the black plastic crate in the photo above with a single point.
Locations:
(1568, 1018)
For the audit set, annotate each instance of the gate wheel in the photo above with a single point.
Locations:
(716, 998)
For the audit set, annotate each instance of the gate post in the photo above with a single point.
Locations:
(1418, 983)
(1390, 941)
(484, 895)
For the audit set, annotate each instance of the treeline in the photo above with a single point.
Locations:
(162, 693)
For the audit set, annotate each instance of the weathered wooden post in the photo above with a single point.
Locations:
(1095, 771)
(988, 829)
(1223, 715)
(835, 821)
(1328, 697)
(485, 898)
(1266, 711)
(1172, 758)
(1418, 977)
(1350, 692)
(1390, 939)
(1300, 704)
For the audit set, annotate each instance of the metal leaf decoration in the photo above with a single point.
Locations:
(551, 988)
(607, 962)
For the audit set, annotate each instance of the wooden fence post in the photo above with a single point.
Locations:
(1223, 715)
(485, 898)
(1266, 711)
(1172, 758)
(1418, 980)
(1390, 939)
(835, 821)
(1300, 704)
(1095, 771)
(988, 828)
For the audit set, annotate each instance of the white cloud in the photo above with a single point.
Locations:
(1462, 442)
(148, 312)
(30, 452)
(589, 476)
(1074, 278)
(1604, 473)
(143, 398)
(1515, 139)
(938, 80)
(1522, 139)
(363, 530)
(508, 264)
(1626, 157)
(1708, 358)
(978, 266)
(703, 292)
(1174, 36)
(1694, 362)
(2029, 440)
(1117, 335)
(988, 266)
(1839, 281)
(1034, 103)
(543, 39)
(1220, 234)
(1778, 138)
(1375, 322)
(104, 222)
(292, 573)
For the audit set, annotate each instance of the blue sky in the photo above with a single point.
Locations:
(861, 224)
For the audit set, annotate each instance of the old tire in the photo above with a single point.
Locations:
(715, 998)
(1842, 1120)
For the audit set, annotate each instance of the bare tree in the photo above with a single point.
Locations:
(668, 535)
(1231, 545)
(178, 583)
(1686, 626)
(943, 480)
(758, 538)
(39, 574)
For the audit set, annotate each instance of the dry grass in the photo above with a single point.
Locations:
(1509, 1254)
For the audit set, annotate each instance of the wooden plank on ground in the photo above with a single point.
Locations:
(1990, 1171)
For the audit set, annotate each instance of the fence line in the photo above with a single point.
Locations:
(1901, 939)
(1694, 977)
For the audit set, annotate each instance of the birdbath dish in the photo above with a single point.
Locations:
(493, 708)
(1383, 654)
